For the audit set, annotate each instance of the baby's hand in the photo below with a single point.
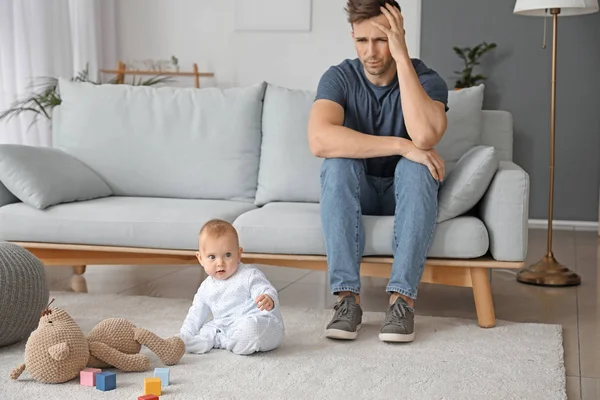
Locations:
(264, 302)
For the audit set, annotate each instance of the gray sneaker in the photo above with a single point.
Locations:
(399, 325)
(346, 320)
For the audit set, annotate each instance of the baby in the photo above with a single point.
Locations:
(243, 303)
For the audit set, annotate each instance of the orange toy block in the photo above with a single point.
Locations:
(87, 377)
(152, 386)
(148, 397)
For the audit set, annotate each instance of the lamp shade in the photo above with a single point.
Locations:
(541, 8)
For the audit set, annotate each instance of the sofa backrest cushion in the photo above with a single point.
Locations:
(465, 124)
(498, 133)
(167, 141)
(288, 169)
(289, 172)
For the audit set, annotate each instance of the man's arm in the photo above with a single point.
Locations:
(424, 117)
(328, 138)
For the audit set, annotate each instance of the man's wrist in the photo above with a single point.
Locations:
(404, 64)
(404, 146)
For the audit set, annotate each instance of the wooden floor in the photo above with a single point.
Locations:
(577, 309)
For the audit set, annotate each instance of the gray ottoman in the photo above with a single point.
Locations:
(23, 293)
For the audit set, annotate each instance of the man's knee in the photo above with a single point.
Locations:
(341, 170)
(414, 173)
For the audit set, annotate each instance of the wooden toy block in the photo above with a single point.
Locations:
(152, 386)
(148, 397)
(106, 381)
(87, 377)
(163, 374)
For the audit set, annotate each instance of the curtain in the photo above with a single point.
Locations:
(48, 38)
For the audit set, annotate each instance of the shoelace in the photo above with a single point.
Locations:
(344, 311)
(397, 314)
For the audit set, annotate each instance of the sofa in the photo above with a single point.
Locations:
(135, 171)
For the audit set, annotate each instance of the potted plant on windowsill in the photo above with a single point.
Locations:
(471, 57)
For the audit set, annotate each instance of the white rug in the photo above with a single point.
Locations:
(449, 359)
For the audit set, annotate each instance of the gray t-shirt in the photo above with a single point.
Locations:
(375, 110)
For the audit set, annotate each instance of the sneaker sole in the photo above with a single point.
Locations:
(397, 337)
(340, 334)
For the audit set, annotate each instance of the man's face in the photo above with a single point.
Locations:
(372, 45)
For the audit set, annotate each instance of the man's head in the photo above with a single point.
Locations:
(218, 249)
(370, 42)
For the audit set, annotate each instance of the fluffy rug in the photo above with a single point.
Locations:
(449, 359)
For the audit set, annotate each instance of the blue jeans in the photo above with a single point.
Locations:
(347, 193)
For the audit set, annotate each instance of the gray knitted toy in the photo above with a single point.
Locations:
(23, 293)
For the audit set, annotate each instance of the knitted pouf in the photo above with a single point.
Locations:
(23, 293)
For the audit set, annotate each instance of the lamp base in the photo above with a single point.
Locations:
(548, 272)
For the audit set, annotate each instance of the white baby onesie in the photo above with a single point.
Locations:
(238, 324)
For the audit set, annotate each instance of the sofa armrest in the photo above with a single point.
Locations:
(504, 210)
(6, 197)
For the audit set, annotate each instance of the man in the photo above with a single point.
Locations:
(375, 121)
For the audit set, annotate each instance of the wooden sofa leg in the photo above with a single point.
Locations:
(78, 269)
(482, 293)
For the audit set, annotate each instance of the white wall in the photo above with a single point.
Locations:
(202, 31)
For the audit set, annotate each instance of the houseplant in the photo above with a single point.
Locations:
(470, 57)
(46, 95)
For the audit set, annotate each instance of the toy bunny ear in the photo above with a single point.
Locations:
(59, 351)
(47, 310)
(17, 372)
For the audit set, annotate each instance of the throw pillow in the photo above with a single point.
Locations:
(6, 197)
(466, 184)
(465, 123)
(42, 177)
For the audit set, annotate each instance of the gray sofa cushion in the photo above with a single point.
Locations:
(498, 133)
(42, 177)
(295, 228)
(288, 170)
(6, 197)
(465, 124)
(118, 221)
(466, 184)
(167, 141)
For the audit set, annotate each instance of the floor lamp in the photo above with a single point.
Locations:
(548, 271)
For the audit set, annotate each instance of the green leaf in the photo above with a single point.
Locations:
(460, 53)
(471, 56)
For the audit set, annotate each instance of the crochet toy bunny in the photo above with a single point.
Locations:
(58, 349)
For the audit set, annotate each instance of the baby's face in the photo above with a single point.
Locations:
(220, 256)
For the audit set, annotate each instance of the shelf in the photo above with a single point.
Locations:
(121, 71)
(141, 72)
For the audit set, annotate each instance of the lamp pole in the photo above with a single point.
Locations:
(548, 271)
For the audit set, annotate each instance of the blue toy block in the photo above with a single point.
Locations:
(106, 381)
(163, 374)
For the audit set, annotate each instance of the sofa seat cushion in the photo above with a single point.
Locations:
(295, 228)
(118, 221)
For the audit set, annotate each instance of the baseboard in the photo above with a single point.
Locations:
(564, 225)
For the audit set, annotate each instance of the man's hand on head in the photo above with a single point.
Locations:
(396, 34)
